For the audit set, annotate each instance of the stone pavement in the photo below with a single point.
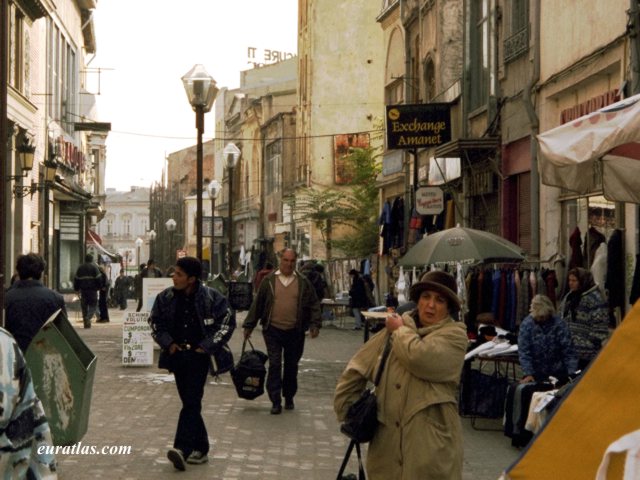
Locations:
(139, 406)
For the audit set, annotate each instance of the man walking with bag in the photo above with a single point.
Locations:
(190, 322)
(286, 306)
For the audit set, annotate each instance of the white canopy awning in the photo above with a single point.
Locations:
(598, 150)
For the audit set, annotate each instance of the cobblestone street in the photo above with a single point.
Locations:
(138, 406)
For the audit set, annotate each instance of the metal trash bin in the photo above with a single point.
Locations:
(240, 295)
(63, 370)
(219, 283)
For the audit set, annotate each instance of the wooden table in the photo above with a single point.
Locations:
(372, 318)
(337, 305)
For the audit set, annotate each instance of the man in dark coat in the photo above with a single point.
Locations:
(121, 286)
(28, 302)
(358, 297)
(88, 281)
(149, 271)
(103, 296)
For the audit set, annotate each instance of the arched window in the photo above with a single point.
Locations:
(429, 80)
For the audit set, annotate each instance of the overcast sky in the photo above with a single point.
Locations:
(144, 47)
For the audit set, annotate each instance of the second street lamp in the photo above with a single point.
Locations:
(213, 188)
(152, 238)
(201, 91)
(230, 154)
(171, 227)
(139, 243)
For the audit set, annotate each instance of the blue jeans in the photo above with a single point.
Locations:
(358, 316)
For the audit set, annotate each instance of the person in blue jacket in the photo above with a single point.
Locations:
(190, 322)
(545, 346)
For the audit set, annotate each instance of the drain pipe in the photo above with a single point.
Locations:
(529, 105)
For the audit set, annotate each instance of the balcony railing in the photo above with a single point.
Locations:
(516, 45)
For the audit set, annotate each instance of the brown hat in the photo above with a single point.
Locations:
(440, 282)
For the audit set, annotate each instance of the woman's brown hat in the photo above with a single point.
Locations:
(440, 282)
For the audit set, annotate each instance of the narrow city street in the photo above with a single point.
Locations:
(138, 407)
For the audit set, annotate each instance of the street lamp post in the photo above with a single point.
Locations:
(231, 154)
(139, 242)
(214, 189)
(171, 227)
(152, 238)
(201, 91)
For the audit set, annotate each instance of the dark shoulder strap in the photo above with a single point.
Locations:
(383, 360)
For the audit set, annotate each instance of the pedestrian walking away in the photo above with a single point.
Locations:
(103, 296)
(148, 271)
(88, 281)
(359, 299)
(190, 322)
(121, 286)
(419, 433)
(286, 306)
(28, 303)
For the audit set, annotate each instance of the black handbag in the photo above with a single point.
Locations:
(249, 373)
(221, 361)
(361, 420)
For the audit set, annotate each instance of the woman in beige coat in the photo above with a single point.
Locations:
(419, 434)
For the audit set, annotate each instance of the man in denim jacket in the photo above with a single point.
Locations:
(191, 322)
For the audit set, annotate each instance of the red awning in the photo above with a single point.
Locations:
(92, 238)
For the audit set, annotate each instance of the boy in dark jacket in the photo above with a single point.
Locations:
(190, 322)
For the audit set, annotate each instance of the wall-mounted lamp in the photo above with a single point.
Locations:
(50, 168)
(26, 152)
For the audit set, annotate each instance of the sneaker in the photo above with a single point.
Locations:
(197, 458)
(276, 409)
(176, 457)
(288, 404)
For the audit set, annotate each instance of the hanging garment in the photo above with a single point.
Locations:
(599, 266)
(592, 240)
(521, 311)
(385, 231)
(575, 242)
(551, 280)
(615, 274)
(635, 285)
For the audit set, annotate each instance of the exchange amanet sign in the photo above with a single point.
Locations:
(418, 126)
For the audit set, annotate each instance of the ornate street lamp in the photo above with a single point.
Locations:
(213, 188)
(201, 91)
(139, 242)
(171, 227)
(152, 238)
(230, 154)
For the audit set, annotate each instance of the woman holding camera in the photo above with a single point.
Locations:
(419, 434)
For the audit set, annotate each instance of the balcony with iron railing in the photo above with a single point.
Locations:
(516, 45)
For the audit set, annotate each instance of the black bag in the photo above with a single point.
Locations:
(249, 373)
(362, 417)
(221, 361)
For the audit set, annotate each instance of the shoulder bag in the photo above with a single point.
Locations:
(362, 417)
